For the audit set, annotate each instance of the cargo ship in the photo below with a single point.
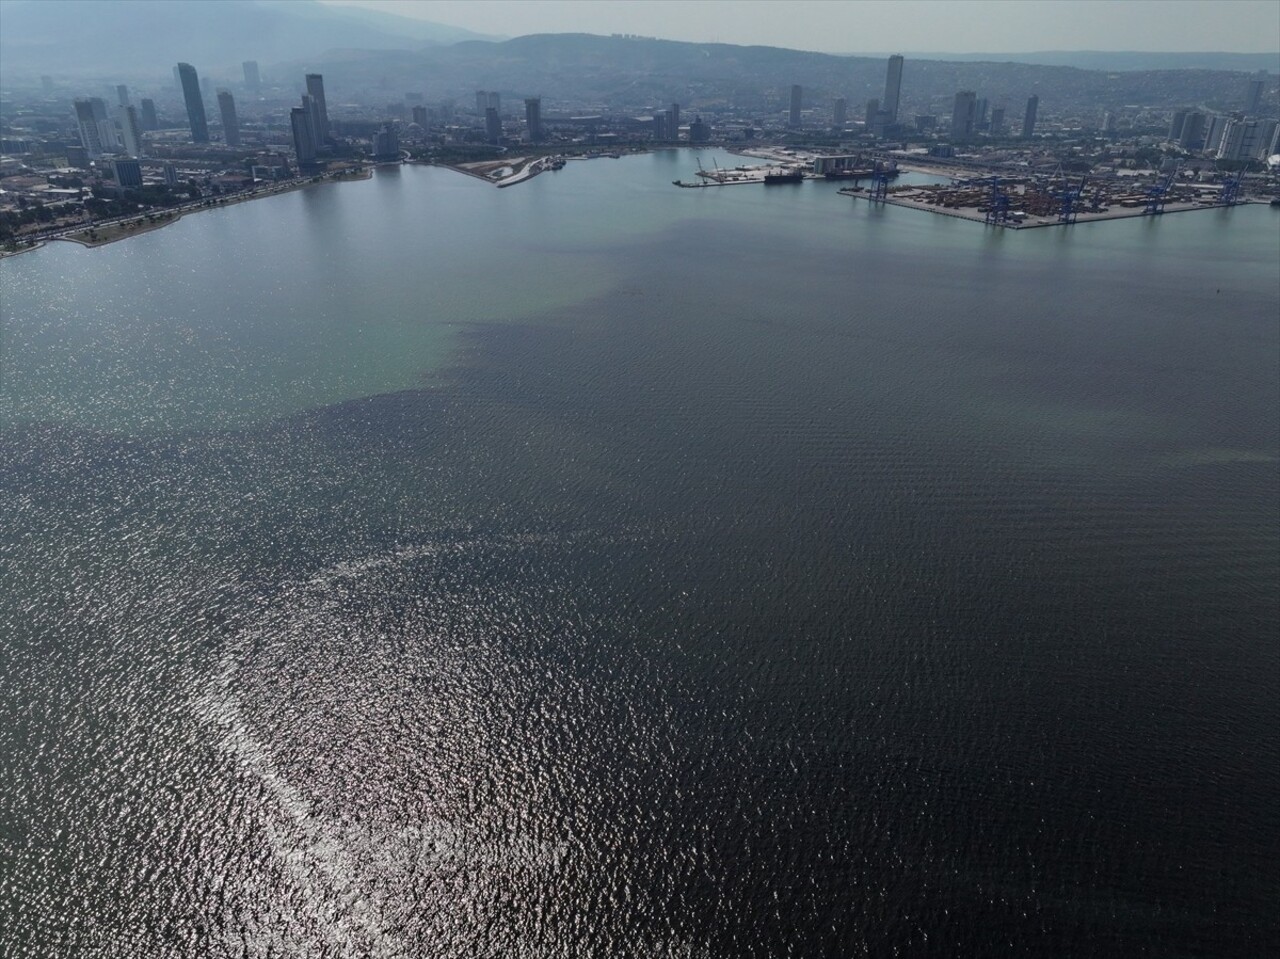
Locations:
(783, 176)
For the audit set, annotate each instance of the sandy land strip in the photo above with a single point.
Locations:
(112, 232)
(974, 216)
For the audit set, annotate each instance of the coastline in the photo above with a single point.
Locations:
(136, 225)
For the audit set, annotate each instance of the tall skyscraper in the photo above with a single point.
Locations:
(195, 103)
(997, 120)
(660, 125)
(1176, 124)
(482, 101)
(1191, 134)
(493, 99)
(252, 79)
(386, 143)
(675, 119)
(892, 89)
(840, 112)
(492, 124)
(315, 90)
(1246, 139)
(420, 116)
(875, 118)
(122, 94)
(230, 122)
(533, 118)
(1029, 118)
(149, 119)
(963, 115)
(87, 125)
(131, 130)
(1253, 94)
(304, 140)
(796, 96)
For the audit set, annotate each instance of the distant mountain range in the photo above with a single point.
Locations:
(1120, 59)
(367, 52)
(618, 73)
(135, 37)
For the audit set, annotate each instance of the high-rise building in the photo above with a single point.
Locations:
(106, 125)
(87, 125)
(170, 173)
(1108, 122)
(840, 112)
(1191, 135)
(964, 115)
(385, 143)
(980, 108)
(230, 122)
(315, 90)
(797, 94)
(874, 120)
(675, 119)
(1253, 90)
(1178, 120)
(304, 139)
(1214, 128)
(252, 79)
(122, 94)
(149, 119)
(131, 131)
(699, 132)
(97, 131)
(492, 99)
(1245, 139)
(482, 102)
(892, 89)
(126, 172)
(492, 124)
(313, 112)
(420, 116)
(997, 120)
(1029, 118)
(533, 118)
(190, 81)
(660, 125)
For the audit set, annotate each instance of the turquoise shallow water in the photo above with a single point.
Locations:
(593, 567)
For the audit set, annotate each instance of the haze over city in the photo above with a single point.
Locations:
(872, 26)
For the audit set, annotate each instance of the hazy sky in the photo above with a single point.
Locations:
(877, 26)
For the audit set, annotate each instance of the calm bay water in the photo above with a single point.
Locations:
(597, 568)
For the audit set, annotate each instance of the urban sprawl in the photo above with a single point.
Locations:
(100, 163)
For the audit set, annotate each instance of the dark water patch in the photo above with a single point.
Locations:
(797, 610)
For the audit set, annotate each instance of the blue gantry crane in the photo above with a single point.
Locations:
(880, 182)
(1231, 189)
(1157, 192)
(997, 205)
(1070, 200)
